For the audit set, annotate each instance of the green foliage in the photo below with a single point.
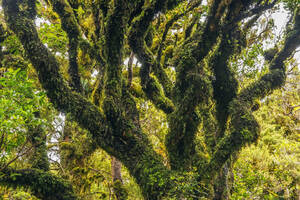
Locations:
(54, 37)
(291, 4)
(19, 102)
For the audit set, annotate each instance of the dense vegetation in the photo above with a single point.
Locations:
(154, 99)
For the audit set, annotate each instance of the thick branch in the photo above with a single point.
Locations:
(113, 48)
(69, 24)
(193, 88)
(225, 84)
(42, 184)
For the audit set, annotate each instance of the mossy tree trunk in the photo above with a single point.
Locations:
(38, 138)
(112, 120)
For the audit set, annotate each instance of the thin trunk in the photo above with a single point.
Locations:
(116, 170)
(118, 188)
(37, 137)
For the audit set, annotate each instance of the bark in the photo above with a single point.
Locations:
(132, 148)
(42, 184)
(116, 169)
(39, 158)
(69, 24)
(115, 128)
(118, 188)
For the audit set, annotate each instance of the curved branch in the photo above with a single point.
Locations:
(244, 129)
(243, 126)
(276, 76)
(136, 37)
(245, 13)
(208, 36)
(257, 10)
(170, 23)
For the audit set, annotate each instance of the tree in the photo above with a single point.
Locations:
(209, 118)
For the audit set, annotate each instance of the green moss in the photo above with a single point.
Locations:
(119, 190)
(42, 184)
(192, 89)
(37, 137)
(153, 91)
(117, 131)
(136, 36)
(70, 26)
(137, 90)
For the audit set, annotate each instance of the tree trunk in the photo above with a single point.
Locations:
(118, 187)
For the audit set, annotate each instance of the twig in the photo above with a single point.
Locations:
(19, 154)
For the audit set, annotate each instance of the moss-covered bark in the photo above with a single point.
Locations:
(137, 34)
(131, 148)
(115, 127)
(243, 127)
(192, 88)
(38, 158)
(69, 24)
(225, 86)
(43, 185)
